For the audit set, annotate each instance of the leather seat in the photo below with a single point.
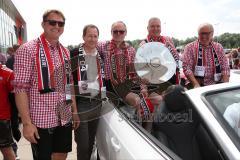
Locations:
(185, 136)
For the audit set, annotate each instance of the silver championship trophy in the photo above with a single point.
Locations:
(154, 63)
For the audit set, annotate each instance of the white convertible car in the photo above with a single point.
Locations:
(189, 127)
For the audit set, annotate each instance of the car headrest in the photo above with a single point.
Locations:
(175, 98)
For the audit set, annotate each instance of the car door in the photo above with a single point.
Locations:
(212, 102)
(118, 139)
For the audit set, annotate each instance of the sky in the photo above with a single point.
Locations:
(180, 18)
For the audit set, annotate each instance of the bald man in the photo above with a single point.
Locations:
(204, 61)
(154, 35)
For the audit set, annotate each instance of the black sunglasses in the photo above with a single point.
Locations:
(118, 31)
(53, 23)
(205, 33)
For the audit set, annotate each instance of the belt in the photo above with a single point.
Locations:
(89, 99)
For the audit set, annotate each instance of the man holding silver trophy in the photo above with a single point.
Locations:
(156, 63)
(154, 35)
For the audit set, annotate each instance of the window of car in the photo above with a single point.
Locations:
(225, 106)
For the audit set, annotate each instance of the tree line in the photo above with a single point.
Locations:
(228, 40)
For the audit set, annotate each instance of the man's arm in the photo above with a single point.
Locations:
(188, 66)
(74, 66)
(23, 72)
(75, 115)
(29, 130)
(22, 105)
(193, 80)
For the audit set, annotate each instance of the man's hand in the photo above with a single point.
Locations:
(197, 85)
(76, 120)
(194, 81)
(30, 132)
(133, 99)
(144, 91)
(144, 81)
(155, 98)
(225, 78)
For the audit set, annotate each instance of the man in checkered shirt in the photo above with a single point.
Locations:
(204, 61)
(46, 117)
(119, 58)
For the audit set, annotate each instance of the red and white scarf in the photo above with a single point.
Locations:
(82, 70)
(200, 58)
(121, 66)
(156, 39)
(45, 66)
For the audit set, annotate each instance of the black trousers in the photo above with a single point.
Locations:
(89, 112)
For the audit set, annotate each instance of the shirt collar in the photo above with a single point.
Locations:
(50, 45)
(84, 52)
(208, 46)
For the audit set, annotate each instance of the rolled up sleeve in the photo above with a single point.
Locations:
(23, 69)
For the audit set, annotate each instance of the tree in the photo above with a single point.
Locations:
(228, 40)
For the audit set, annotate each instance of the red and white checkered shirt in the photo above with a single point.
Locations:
(190, 56)
(46, 110)
(104, 51)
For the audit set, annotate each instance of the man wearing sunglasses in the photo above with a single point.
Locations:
(118, 58)
(204, 61)
(42, 73)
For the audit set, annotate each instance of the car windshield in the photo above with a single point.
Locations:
(228, 104)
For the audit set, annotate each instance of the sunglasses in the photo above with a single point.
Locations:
(205, 33)
(53, 23)
(118, 31)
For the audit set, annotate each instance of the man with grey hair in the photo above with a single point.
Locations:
(204, 61)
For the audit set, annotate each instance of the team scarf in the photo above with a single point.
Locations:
(170, 47)
(82, 70)
(200, 58)
(45, 66)
(120, 63)
(155, 39)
